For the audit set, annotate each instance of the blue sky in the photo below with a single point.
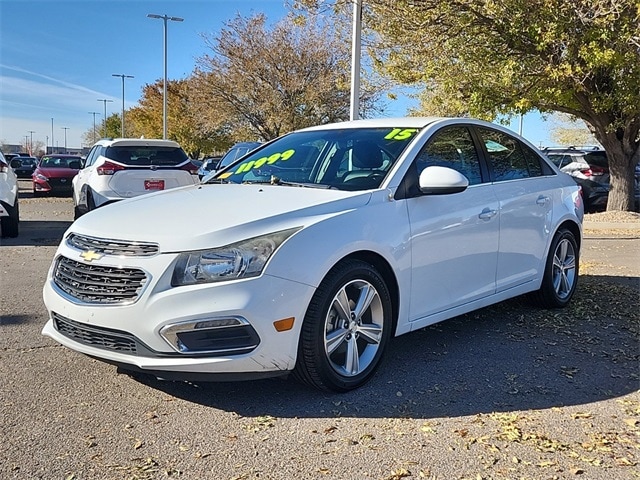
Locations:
(57, 58)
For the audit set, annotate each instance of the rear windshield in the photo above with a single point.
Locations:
(597, 158)
(144, 156)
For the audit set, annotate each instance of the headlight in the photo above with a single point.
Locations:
(41, 177)
(244, 259)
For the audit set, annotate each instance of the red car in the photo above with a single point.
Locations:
(54, 174)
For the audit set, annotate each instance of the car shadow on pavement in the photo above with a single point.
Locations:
(508, 357)
(37, 233)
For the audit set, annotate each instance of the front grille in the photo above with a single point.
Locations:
(112, 247)
(104, 338)
(98, 283)
(60, 183)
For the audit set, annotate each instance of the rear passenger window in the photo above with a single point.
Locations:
(510, 159)
(452, 147)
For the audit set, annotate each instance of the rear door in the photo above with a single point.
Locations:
(525, 202)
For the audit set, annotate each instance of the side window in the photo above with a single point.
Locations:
(533, 161)
(452, 147)
(507, 156)
(93, 154)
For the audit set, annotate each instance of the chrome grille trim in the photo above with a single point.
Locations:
(98, 284)
(113, 247)
(97, 337)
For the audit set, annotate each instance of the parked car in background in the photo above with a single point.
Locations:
(9, 210)
(316, 249)
(54, 174)
(10, 156)
(24, 166)
(209, 165)
(240, 149)
(589, 167)
(121, 168)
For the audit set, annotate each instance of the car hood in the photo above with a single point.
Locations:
(57, 172)
(206, 216)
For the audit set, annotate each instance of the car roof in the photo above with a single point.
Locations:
(571, 149)
(407, 122)
(137, 142)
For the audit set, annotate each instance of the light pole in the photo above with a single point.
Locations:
(123, 76)
(65, 138)
(94, 124)
(52, 151)
(164, 83)
(104, 121)
(31, 143)
(355, 59)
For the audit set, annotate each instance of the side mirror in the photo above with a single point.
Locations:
(442, 181)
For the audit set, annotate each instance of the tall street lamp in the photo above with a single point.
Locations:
(31, 143)
(65, 138)
(94, 124)
(355, 59)
(52, 151)
(123, 76)
(165, 18)
(104, 121)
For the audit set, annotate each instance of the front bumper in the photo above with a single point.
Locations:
(135, 335)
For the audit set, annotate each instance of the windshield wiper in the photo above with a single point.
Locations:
(217, 180)
(278, 181)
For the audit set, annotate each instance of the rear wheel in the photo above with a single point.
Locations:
(10, 224)
(561, 271)
(346, 328)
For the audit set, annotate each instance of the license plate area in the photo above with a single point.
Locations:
(154, 184)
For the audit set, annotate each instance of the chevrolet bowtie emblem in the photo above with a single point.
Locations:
(90, 255)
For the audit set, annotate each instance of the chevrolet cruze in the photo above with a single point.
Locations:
(317, 249)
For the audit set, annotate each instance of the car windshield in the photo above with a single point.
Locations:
(346, 159)
(60, 162)
(145, 156)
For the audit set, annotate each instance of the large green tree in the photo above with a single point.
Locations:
(487, 58)
(184, 124)
(265, 81)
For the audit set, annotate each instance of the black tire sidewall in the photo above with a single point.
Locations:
(313, 331)
(549, 295)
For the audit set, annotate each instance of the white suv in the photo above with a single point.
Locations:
(121, 168)
(9, 214)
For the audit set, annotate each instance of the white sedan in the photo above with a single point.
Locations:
(317, 249)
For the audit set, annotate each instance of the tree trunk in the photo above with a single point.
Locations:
(623, 152)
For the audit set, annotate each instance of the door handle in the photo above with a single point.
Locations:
(542, 200)
(487, 214)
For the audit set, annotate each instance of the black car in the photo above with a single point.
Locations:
(24, 166)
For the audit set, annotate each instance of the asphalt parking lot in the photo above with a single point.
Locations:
(508, 392)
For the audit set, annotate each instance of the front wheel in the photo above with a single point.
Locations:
(346, 328)
(561, 271)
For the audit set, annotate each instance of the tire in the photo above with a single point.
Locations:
(10, 225)
(561, 272)
(342, 344)
(91, 204)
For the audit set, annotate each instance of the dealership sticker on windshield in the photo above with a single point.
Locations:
(400, 133)
(262, 161)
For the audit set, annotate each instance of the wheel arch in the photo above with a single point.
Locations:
(574, 228)
(389, 277)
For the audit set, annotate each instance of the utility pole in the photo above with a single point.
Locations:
(164, 83)
(65, 138)
(31, 143)
(104, 122)
(94, 124)
(123, 76)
